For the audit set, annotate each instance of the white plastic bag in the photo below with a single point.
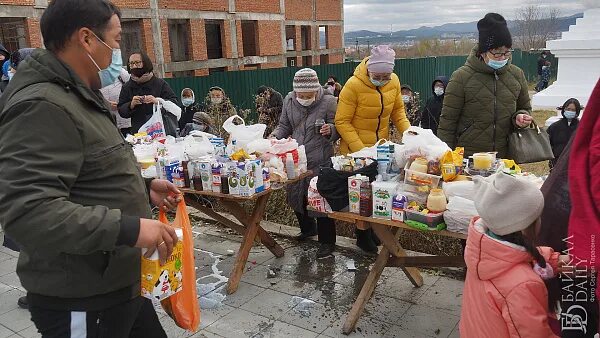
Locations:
(283, 146)
(460, 211)
(243, 134)
(196, 147)
(154, 127)
(315, 200)
(170, 107)
(464, 189)
(261, 146)
(423, 143)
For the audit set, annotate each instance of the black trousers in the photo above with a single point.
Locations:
(325, 227)
(135, 318)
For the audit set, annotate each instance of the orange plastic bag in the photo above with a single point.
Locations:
(183, 306)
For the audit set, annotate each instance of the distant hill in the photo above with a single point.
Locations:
(449, 30)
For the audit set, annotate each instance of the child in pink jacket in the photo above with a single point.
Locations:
(503, 296)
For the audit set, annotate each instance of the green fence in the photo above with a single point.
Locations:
(241, 86)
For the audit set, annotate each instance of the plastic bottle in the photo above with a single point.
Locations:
(224, 181)
(290, 167)
(302, 161)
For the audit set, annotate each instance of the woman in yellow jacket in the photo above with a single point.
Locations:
(366, 104)
(368, 101)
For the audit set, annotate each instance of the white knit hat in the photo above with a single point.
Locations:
(306, 81)
(506, 203)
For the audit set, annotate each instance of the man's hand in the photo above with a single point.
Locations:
(326, 129)
(524, 120)
(164, 194)
(113, 105)
(155, 235)
(150, 99)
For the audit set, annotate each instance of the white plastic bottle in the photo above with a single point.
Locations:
(290, 167)
(302, 161)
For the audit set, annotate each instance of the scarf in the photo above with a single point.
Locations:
(142, 79)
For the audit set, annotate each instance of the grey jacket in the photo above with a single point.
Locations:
(298, 122)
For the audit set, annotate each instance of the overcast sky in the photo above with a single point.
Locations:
(378, 15)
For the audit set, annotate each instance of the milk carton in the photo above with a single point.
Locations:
(216, 177)
(160, 282)
(354, 183)
(257, 169)
(399, 203)
(383, 193)
(246, 179)
(205, 174)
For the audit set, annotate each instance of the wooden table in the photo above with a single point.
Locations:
(250, 228)
(391, 255)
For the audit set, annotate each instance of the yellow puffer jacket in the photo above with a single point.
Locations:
(364, 111)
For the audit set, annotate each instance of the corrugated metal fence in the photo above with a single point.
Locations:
(419, 73)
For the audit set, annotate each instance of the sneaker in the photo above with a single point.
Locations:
(304, 236)
(325, 250)
(22, 302)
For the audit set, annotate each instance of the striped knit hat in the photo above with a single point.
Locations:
(306, 81)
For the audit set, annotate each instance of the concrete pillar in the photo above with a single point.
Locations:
(283, 35)
(233, 34)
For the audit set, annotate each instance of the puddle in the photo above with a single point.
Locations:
(211, 295)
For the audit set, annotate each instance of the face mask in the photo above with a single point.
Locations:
(10, 76)
(570, 114)
(137, 72)
(216, 100)
(109, 75)
(439, 91)
(199, 126)
(405, 99)
(187, 101)
(379, 83)
(305, 103)
(497, 64)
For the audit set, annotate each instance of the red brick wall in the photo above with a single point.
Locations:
(269, 38)
(226, 40)
(271, 65)
(201, 72)
(334, 37)
(164, 26)
(298, 42)
(132, 3)
(147, 42)
(33, 33)
(240, 41)
(197, 5)
(329, 10)
(336, 58)
(298, 10)
(257, 6)
(197, 43)
(17, 2)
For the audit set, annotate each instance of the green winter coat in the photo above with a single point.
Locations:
(481, 105)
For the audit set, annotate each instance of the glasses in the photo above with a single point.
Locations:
(499, 54)
(136, 63)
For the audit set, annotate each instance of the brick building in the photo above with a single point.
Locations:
(197, 37)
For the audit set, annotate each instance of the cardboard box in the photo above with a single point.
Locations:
(233, 178)
(206, 174)
(160, 282)
(354, 183)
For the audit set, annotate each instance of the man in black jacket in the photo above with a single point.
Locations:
(71, 193)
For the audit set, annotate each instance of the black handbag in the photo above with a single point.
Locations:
(530, 144)
(333, 184)
(170, 123)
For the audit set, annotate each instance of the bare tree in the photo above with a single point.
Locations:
(535, 25)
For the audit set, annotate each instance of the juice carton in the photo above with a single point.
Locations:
(233, 178)
(160, 282)
(399, 203)
(383, 192)
(216, 177)
(266, 174)
(205, 169)
(246, 174)
(354, 183)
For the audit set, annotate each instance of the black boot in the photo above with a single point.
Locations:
(364, 240)
(325, 250)
(22, 302)
(308, 228)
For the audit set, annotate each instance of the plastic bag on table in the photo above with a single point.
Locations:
(183, 306)
(154, 127)
(261, 146)
(283, 146)
(464, 189)
(241, 133)
(315, 200)
(419, 142)
(196, 147)
(459, 213)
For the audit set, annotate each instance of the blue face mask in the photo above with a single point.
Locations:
(497, 64)
(109, 75)
(570, 114)
(379, 83)
(187, 102)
